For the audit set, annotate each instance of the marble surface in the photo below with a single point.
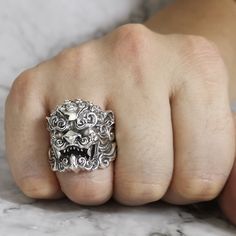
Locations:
(32, 31)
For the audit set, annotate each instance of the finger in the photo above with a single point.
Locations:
(203, 135)
(84, 187)
(227, 199)
(144, 163)
(88, 187)
(27, 138)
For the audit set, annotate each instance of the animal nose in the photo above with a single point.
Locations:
(70, 136)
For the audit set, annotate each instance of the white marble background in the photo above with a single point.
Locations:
(32, 31)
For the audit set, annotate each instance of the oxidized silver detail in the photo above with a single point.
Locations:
(81, 136)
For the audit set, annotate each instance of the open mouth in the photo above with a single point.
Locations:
(77, 151)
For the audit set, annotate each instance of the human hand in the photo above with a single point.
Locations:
(174, 128)
(202, 18)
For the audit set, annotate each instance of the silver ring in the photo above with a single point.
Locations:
(81, 136)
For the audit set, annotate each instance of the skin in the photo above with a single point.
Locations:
(167, 83)
(215, 20)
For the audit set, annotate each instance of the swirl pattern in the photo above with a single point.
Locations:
(81, 136)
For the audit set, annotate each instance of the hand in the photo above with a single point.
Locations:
(174, 127)
(201, 18)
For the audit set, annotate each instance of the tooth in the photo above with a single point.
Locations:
(89, 152)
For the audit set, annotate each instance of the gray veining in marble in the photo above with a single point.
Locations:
(32, 31)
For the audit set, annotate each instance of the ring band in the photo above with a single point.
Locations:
(81, 136)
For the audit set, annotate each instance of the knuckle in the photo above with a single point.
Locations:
(203, 58)
(200, 188)
(131, 193)
(22, 89)
(89, 194)
(75, 61)
(203, 66)
(131, 45)
(132, 40)
(72, 57)
(68, 55)
(199, 47)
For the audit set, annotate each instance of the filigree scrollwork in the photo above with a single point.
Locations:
(81, 136)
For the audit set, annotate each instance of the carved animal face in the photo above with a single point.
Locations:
(78, 131)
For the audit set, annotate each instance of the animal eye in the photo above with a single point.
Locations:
(59, 142)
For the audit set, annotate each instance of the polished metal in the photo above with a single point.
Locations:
(81, 136)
